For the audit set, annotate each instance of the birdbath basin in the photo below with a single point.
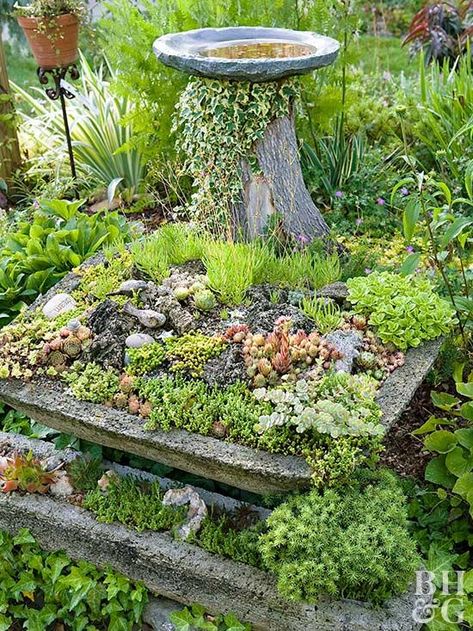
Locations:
(246, 53)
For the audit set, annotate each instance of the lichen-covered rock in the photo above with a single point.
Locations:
(227, 368)
(197, 509)
(110, 327)
(147, 317)
(348, 343)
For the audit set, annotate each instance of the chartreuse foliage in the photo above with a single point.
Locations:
(404, 309)
(233, 413)
(350, 543)
(91, 382)
(41, 251)
(232, 268)
(39, 588)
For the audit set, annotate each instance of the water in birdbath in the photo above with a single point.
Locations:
(244, 49)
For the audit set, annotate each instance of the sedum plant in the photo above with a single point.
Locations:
(347, 543)
(341, 404)
(325, 313)
(92, 382)
(404, 309)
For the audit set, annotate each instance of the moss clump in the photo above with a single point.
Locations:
(135, 504)
(352, 543)
(222, 533)
(197, 407)
(91, 382)
(145, 359)
(190, 352)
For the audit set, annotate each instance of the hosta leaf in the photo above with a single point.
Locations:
(443, 400)
(457, 463)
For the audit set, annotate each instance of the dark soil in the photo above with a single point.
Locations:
(404, 452)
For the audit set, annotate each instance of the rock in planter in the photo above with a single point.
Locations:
(59, 304)
(147, 317)
(137, 340)
(348, 343)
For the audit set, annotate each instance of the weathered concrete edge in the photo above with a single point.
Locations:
(397, 391)
(188, 574)
(243, 467)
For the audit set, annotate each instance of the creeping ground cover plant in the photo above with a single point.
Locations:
(404, 309)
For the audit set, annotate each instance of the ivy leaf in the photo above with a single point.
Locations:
(182, 620)
(233, 624)
(24, 536)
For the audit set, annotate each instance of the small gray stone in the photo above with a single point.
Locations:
(59, 304)
(348, 343)
(137, 340)
(130, 287)
(147, 317)
(73, 325)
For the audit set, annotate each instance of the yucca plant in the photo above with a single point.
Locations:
(101, 133)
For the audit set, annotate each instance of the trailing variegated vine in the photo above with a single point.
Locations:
(220, 122)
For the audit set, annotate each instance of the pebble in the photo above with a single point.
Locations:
(137, 340)
(59, 304)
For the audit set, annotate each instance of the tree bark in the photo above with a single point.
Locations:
(9, 147)
(279, 186)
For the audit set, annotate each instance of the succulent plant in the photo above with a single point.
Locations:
(25, 473)
(204, 300)
(269, 358)
(190, 352)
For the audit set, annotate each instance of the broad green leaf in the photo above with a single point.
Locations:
(443, 400)
(441, 441)
(465, 437)
(430, 425)
(465, 389)
(410, 217)
(182, 620)
(466, 411)
(436, 472)
(464, 485)
(410, 264)
(454, 230)
(456, 462)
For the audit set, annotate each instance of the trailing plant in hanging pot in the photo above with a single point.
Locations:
(52, 30)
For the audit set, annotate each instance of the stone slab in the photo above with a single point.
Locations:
(187, 574)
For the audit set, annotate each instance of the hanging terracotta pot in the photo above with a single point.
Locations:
(54, 42)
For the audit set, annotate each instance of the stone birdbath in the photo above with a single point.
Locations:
(249, 60)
